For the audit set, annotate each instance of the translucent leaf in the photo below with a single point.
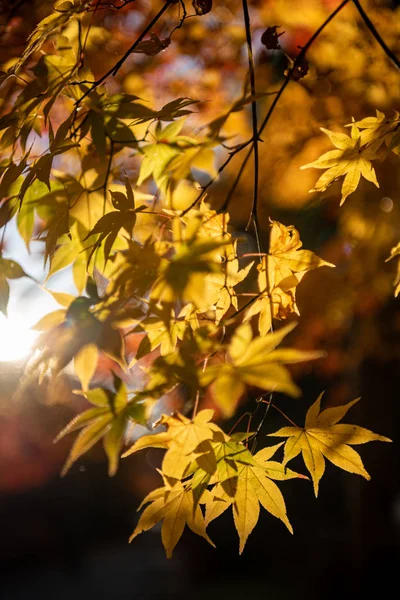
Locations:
(85, 363)
(352, 161)
(321, 437)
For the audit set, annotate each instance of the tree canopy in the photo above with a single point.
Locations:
(158, 152)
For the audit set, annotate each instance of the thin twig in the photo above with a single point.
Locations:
(246, 414)
(114, 70)
(233, 187)
(3, 235)
(281, 412)
(285, 83)
(196, 403)
(376, 34)
(262, 421)
(205, 187)
(108, 6)
(248, 427)
(107, 175)
(253, 215)
(253, 220)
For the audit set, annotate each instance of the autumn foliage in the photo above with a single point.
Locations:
(121, 191)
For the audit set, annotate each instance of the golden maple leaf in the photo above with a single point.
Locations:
(396, 252)
(350, 160)
(253, 486)
(181, 440)
(280, 272)
(176, 508)
(376, 130)
(255, 362)
(107, 419)
(322, 437)
(220, 286)
(183, 276)
(199, 454)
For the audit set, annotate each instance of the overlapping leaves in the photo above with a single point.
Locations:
(198, 456)
(254, 361)
(74, 332)
(178, 286)
(280, 272)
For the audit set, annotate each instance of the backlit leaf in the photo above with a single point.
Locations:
(176, 509)
(350, 160)
(322, 437)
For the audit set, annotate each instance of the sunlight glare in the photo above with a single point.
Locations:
(16, 338)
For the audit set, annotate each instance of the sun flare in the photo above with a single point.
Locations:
(16, 338)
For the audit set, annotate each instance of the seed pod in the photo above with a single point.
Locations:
(202, 7)
(270, 38)
(300, 70)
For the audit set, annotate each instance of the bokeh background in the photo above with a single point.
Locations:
(68, 538)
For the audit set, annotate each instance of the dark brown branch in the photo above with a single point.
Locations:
(297, 61)
(376, 34)
(253, 215)
(279, 93)
(205, 187)
(114, 70)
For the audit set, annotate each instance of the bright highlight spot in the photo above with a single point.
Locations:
(386, 204)
(16, 339)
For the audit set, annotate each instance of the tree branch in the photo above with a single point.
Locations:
(376, 34)
(296, 62)
(114, 70)
(253, 215)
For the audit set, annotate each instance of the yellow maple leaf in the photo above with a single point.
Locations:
(253, 486)
(322, 437)
(376, 130)
(396, 252)
(183, 276)
(181, 440)
(176, 508)
(221, 285)
(280, 272)
(160, 332)
(107, 419)
(287, 257)
(350, 160)
(255, 362)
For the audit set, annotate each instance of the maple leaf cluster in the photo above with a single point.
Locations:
(115, 190)
(203, 466)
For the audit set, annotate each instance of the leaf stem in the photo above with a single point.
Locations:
(246, 414)
(269, 402)
(263, 418)
(196, 403)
